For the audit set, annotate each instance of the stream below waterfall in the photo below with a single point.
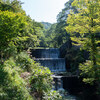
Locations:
(58, 85)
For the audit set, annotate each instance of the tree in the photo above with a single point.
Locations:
(12, 86)
(50, 35)
(41, 81)
(11, 27)
(31, 35)
(11, 5)
(87, 23)
(17, 33)
(61, 34)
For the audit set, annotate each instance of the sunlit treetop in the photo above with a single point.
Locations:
(11, 5)
(88, 18)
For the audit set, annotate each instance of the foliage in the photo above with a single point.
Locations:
(52, 95)
(31, 35)
(87, 71)
(50, 35)
(87, 23)
(41, 81)
(40, 78)
(74, 56)
(46, 25)
(61, 35)
(11, 5)
(10, 27)
(38, 31)
(19, 32)
(25, 62)
(55, 35)
(12, 86)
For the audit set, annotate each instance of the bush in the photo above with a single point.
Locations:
(38, 80)
(41, 81)
(12, 86)
(25, 62)
(52, 95)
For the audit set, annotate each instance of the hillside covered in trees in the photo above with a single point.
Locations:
(21, 78)
(78, 25)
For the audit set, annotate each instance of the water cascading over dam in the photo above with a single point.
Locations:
(49, 58)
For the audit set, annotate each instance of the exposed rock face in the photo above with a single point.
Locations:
(49, 58)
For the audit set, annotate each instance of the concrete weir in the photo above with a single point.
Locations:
(49, 58)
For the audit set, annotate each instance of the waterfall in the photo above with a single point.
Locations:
(58, 82)
(50, 58)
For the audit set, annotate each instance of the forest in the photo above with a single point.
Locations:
(77, 28)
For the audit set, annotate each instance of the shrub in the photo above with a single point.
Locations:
(52, 95)
(25, 62)
(41, 81)
(12, 86)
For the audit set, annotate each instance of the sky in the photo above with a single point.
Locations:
(43, 10)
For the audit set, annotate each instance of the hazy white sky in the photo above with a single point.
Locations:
(43, 10)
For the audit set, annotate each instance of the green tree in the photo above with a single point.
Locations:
(31, 35)
(61, 34)
(46, 25)
(12, 86)
(38, 30)
(11, 5)
(50, 35)
(10, 28)
(17, 33)
(87, 23)
(55, 34)
(41, 81)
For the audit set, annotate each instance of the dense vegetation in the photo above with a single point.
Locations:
(86, 23)
(56, 35)
(21, 78)
(79, 22)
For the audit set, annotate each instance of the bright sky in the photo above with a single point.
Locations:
(43, 10)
